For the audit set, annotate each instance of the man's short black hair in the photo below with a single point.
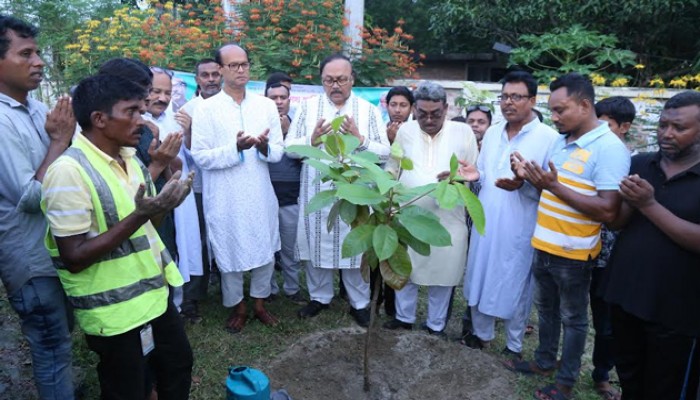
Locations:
(400, 91)
(21, 29)
(128, 69)
(618, 108)
(684, 99)
(277, 79)
(333, 57)
(217, 55)
(203, 61)
(100, 93)
(576, 85)
(522, 77)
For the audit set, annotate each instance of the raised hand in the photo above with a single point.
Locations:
(163, 153)
(60, 122)
(173, 194)
(320, 129)
(637, 191)
(392, 129)
(349, 127)
(184, 120)
(244, 141)
(509, 184)
(262, 141)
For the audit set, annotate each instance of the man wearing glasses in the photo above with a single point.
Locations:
(497, 283)
(234, 136)
(319, 249)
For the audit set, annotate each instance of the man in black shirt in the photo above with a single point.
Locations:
(653, 282)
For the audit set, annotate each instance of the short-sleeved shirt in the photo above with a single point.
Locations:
(649, 275)
(23, 146)
(597, 161)
(69, 203)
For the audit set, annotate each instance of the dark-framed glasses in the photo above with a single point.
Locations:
(514, 97)
(341, 81)
(244, 66)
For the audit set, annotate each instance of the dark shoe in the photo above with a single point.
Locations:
(525, 367)
(361, 316)
(190, 312)
(312, 309)
(396, 324)
(296, 298)
(433, 332)
(511, 354)
(472, 341)
(272, 297)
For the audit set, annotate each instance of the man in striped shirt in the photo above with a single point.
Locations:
(579, 191)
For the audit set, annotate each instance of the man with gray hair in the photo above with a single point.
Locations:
(430, 141)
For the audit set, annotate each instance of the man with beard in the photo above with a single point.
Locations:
(653, 272)
(30, 140)
(399, 101)
(497, 280)
(579, 192)
(318, 248)
(285, 180)
(235, 134)
(100, 203)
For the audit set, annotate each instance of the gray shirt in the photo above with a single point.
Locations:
(23, 146)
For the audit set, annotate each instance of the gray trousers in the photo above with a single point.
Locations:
(288, 217)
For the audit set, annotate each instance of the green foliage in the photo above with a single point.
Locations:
(380, 210)
(574, 49)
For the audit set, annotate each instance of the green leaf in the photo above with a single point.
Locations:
(351, 143)
(309, 152)
(359, 194)
(396, 151)
(366, 156)
(454, 164)
(348, 211)
(320, 201)
(333, 216)
(333, 144)
(384, 240)
(337, 122)
(320, 166)
(357, 241)
(400, 262)
(385, 182)
(406, 164)
(474, 208)
(424, 225)
(405, 236)
(391, 278)
(447, 195)
(369, 263)
(362, 216)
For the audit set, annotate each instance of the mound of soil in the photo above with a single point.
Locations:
(403, 365)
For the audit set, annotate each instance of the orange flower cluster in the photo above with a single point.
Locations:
(281, 35)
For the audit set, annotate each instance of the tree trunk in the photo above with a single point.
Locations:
(372, 318)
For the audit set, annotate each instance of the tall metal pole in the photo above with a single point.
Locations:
(355, 14)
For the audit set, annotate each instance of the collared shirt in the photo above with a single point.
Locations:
(23, 146)
(649, 275)
(597, 161)
(69, 204)
(165, 122)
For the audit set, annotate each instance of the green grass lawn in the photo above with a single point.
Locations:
(215, 349)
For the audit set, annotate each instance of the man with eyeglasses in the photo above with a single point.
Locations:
(497, 283)
(207, 75)
(430, 141)
(318, 249)
(579, 192)
(235, 134)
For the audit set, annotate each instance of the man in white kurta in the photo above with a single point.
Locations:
(318, 249)
(498, 276)
(234, 135)
(430, 142)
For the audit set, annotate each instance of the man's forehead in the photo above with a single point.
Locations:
(278, 91)
(681, 113)
(429, 105)
(208, 67)
(514, 87)
(337, 67)
(18, 42)
(233, 53)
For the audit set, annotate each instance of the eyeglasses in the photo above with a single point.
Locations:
(514, 97)
(341, 81)
(238, 66)
(159, 70)
(482, 108)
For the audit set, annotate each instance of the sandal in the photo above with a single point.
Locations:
(550, 392)
(266, 318)
(609, 393)
(525, 367)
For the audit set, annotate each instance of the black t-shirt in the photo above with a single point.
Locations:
(649, 275)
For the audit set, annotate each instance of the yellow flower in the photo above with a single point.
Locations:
(597, 79)
(101, 48)
(92, 24)
(168, 5)
(678, 83)
(85, 48)
(639, 66)
(114, 48)
(72, 46)
(658, 82)
(620, 82)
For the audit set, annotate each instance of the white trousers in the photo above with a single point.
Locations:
(484, 325)
(438, 303)
(232, 284)
(289, 217)
(320, 284)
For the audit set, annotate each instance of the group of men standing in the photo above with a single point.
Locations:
(238, 198)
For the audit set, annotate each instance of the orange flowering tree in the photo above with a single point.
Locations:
(280, 35)
(295, 35)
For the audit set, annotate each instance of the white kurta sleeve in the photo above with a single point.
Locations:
(297, 134)
(208, 150)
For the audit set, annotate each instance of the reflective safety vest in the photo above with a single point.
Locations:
(127, 287)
